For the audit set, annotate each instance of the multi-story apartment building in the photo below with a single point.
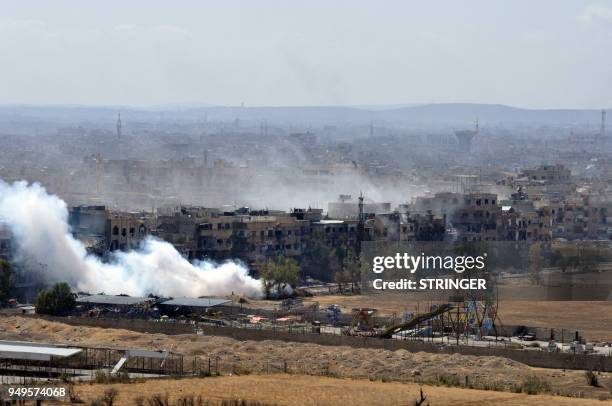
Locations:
(398, 226)
(102, 230)
(470, 216)
(180, 227)
(523, 220)
(546, 182)
(126, 231)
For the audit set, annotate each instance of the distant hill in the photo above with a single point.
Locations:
(490, 113)
(462, 114)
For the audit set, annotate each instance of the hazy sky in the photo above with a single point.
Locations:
(523, 53)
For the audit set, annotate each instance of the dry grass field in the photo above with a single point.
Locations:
(283, 389)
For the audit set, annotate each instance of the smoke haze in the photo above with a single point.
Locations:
(39, 223)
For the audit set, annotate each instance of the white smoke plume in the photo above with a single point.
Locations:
(39, 222)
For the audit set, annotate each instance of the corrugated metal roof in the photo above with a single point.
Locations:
(161, 354)
(196, 302)
(112, 300)
(33, 351)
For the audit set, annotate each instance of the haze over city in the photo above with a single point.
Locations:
(544, 54)
(240, 202)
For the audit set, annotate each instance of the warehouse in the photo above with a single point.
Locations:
(187, 305)
(109, 305)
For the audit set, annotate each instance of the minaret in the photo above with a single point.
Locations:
(360, 225)
(119, 133)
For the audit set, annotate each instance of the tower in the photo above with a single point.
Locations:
(119, 133)
(98, 172)
(602, 130)
(465, 137)
(360, 226)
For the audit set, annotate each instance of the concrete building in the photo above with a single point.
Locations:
(525, 220)
(546, 182)
(470, 216)
(125, 231)
(336, 232)
(348, 208)
(102, 230)
(180, 226)
(408, 227)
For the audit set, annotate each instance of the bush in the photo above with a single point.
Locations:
(533, 385)
(103, 377)
(191, 400)
(591, 378)
(58, 301)
(108, 399)
(448, 380)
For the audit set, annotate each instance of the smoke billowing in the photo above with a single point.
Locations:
(39, 223)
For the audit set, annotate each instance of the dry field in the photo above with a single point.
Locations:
(256, 357)
(283, 389)
(593, 319)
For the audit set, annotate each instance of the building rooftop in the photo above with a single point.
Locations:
(112, 300)
(196, 302)
(25, 350)
(329, 222)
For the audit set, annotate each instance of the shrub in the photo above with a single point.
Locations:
(108, 399)
(58, 301)
(533, 385)
(591, 378)
(191, 400)
(103, 377)
(448, 380)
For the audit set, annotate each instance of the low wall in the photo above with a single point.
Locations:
(533, 358)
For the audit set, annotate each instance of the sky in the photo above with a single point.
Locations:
(533, 54)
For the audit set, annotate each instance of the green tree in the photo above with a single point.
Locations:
(57, 301)
(279, 273)
(6, 280)
(289, 272)
(318, 260)
(535, 255)
(267, 275)
(352, 268)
